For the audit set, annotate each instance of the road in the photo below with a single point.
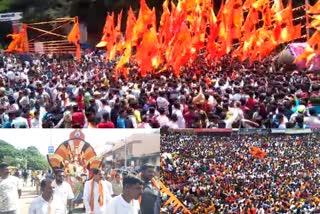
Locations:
(28, 194)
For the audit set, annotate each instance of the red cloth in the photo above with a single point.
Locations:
(251, 102)
(106, 125)
(206, 107)
(78, 118)
(80, 102)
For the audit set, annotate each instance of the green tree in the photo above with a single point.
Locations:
(7, 149)
(29, 158)
(35, 160)
(4, 5)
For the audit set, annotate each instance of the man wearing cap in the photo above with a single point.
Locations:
(62, 191)
(10, 191)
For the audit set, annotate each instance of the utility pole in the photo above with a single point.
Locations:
(125, 153)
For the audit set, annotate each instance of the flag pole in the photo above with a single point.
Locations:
(307, 19)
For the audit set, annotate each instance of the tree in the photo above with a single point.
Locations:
(29, 158)
(7, 149)
(4, 5)
(35, 160)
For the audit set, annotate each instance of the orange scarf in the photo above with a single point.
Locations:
(101, 196)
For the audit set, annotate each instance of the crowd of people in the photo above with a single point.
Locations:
(45, 91)
(215, 174)
(113, 193)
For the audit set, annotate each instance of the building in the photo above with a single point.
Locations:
(141, 148)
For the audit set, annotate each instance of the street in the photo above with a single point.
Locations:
(28, 194)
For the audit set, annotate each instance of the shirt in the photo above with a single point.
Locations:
(109, 186)
(62, 193)
(121, 123)
(9, 198)
(106, 124)
(118, 205)
(41, 206)
(149, 197)
(117, 188)
(87, 197)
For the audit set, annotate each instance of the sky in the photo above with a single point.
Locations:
(42, 138)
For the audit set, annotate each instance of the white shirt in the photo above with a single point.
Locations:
(9, 198)
(164, 103)
(41, 206)
(87, 196)
(181, 121)
(109, 186)
(118, 205)
(163, 120)
(62, 193)
(35, 123)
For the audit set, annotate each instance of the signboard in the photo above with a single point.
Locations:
(4, 17)
(50, 149)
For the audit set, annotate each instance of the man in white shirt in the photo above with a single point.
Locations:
(96, 194)
(46, 203)
(10, 190)
(127, 202)
(62, 191)
(108, 184)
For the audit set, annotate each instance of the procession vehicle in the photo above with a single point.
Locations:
(77, 158)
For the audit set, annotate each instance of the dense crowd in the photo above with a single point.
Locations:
(219, 175)
(54, 91)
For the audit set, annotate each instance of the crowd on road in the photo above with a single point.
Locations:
(214, 174)
(113, 193)
(45, 91)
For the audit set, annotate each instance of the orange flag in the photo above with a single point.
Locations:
(109, 36)
(147, 50)
(277, 6)
(165, 24)
(257, 152)
(315, 9)
(15, 43)
(251, 21)
(260, 4)
(314, 40)
(118, 27)
(248, 4)
(131, 21)
(211, 43)
(74, 34)
(238, 19)
(316, 21)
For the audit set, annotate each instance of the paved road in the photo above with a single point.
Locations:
(28, 194)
